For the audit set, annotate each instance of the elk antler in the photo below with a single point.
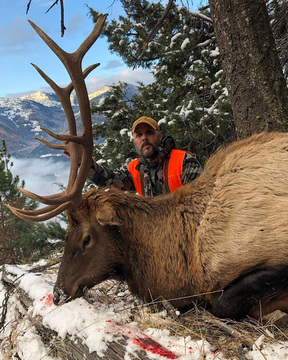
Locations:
(72, 196)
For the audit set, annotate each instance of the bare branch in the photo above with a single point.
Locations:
(28, 6)
(63, 28)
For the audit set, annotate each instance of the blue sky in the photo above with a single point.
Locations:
(20, 46)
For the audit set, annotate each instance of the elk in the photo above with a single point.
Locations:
(222, 239)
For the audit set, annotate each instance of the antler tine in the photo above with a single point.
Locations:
(72, 58)
(52, 146)
(54, 199)
(83, 48)
(64, 97)
(72, 197)
(63, 137)
(69, 88)
(49, 212)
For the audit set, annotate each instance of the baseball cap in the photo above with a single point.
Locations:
(146, 120)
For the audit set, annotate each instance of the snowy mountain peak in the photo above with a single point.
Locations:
(21, 118)
(47, 99)
(107, 89)
(102, 91)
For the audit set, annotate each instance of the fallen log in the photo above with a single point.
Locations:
(117, 345)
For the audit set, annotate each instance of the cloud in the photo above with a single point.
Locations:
(41, 175)
(28, 92)
(95, 83)
(113, 64)
(126, 75)
(16, 36)
(74, 25)
(137, 75)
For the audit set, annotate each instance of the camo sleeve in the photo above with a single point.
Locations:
(102, 176)
(191, 168)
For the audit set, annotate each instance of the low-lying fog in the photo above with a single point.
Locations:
(42, 175)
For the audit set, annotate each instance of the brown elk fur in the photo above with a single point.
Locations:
(228, 225)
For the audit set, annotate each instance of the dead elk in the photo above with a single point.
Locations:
(222, 238)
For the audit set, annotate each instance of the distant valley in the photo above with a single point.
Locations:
(21, 119)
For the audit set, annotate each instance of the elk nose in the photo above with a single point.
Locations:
(56, 297)
(59, 297)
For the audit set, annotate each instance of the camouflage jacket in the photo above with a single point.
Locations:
(102, 176)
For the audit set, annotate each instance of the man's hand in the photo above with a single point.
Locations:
(80, 152)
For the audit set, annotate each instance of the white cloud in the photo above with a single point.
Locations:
(18, 34)
(137, 75)
(126, 75)
(95, 83)
(74, 25)
(113, 64)
(41, 175)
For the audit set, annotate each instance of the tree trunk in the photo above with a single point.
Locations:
(253, 75)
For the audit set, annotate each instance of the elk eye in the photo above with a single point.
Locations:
(86, 241)
(74, 253)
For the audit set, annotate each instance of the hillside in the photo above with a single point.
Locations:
(21, 119)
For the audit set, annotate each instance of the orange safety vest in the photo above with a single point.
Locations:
(172, 171)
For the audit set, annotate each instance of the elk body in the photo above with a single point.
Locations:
(227, 230)
(222, 238)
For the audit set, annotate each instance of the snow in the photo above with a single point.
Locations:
(215, 52)
(101, 101)
(97, 93)
(172, 122)
(162, 121)
(124, 131)
(96, 325)
(200, 15)
(174, 39)
(184, 44)
(51, 155)
(12, 108)
(219, 73)
(46, 99)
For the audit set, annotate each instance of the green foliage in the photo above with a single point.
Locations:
(117, 147)
(22, 241)
(188, 97)
(35, 241)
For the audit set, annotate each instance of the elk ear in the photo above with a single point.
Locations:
(106, 215)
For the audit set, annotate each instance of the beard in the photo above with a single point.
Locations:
(150, 153)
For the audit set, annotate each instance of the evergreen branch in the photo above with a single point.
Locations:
(197, 14)
(204, 7)
(155, 29)
(207, 42)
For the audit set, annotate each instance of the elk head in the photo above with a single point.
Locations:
(93, 251)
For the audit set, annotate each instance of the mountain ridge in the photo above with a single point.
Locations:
(21, 120)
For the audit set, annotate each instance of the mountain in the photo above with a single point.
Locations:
(21, 119)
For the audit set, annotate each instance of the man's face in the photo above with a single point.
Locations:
(146, 140)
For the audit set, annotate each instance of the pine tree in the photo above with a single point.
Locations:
(188, 97)
(21, 240)
(118, 109)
